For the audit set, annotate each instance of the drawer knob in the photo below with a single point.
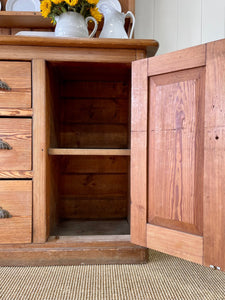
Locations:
(4, 145)
(4, 85)
(4, 214)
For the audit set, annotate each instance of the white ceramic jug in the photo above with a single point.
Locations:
(73, 24)
(114, 21)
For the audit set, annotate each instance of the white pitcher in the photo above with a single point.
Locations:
(73, 24)
(114, 21)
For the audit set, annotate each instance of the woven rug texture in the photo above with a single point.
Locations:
(163, 277)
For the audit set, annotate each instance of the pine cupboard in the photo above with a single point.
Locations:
(122, 152)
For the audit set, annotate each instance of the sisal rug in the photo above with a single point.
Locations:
(164, 277)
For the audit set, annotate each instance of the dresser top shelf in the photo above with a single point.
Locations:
(137, 44)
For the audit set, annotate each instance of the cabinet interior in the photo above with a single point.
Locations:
(88, 107)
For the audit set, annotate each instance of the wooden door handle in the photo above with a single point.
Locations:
(4, 85)
(4, 145)
(4, 214)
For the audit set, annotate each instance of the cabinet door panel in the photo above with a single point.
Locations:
(176, 127)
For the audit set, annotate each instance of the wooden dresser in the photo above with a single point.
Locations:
(65, 178)
(109, 152)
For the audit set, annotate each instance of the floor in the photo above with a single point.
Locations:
(163, 278)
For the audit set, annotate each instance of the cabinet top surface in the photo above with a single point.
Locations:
(137, 44)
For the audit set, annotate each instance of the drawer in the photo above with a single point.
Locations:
(17, 75)
(17, 134)
(16, 198)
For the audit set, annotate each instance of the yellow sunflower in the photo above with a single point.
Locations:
(45, 7)
(92, 1)
(71, 2)
(57, 1)
(96, 14)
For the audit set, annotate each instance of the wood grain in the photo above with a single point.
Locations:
(176, 123)
(63, 251)
(87, 43)
(178, 60)
(16, 174)
(94, 164)
(138, 171)
(39, 151)
(17, 133)
(66, 151)
(180, 244)
(214, 178)
(17, 75)
(16, 112)
(93, 136)
(93, 208)
(16, 197)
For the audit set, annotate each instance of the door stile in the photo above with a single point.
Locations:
(214, 157)
(139, 119)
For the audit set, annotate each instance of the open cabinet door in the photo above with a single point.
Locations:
(167, 153)
(178, 154)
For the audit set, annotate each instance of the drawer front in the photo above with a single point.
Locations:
(16, 198)
(17, 76)
(16, 134)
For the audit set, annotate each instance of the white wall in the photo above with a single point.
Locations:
(178, 24)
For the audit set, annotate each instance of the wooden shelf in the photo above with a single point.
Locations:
(25, 19)
(72, 151)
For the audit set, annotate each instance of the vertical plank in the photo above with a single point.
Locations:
(139, 110)
(166, 25)
(39, 150)
(189, 33)
(214, 157)
(213, 20)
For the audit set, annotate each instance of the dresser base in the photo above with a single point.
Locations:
(73, 251)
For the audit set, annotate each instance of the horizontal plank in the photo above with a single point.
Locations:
(178, 60)
(93, 164)
(93, 208)
(95, 89)
(88, 239)
(94, 136)
(176, 243)
(99, 72)
(109, 185)
(72, 151)
(65, 251)
(16, 112)
(95, 110)
(140, 44)
(16, 174)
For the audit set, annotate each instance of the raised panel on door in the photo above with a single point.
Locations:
(176, 149)
(168, 137)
